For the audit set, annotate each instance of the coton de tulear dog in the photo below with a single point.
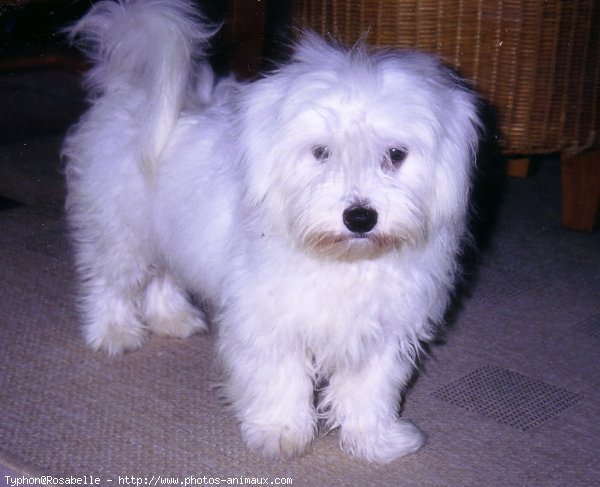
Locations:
(320, 210)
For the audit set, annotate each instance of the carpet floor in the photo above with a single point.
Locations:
(510, 398)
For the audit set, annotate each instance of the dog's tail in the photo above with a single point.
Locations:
(143, 54)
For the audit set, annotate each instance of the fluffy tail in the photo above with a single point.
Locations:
(143, 53)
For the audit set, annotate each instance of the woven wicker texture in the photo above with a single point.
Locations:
(537, 62)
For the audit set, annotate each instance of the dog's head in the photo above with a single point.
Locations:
(352, 154)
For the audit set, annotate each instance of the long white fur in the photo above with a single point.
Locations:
(178, 185)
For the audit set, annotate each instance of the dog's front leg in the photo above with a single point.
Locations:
(364, 401)
(271, 389)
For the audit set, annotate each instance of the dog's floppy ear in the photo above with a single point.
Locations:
(458, 151)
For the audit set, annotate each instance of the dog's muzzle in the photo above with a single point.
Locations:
(364, 240)
(360, 219)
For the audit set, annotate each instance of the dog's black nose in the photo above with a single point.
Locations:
(360, 219)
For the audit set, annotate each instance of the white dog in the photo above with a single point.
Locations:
(320, 210)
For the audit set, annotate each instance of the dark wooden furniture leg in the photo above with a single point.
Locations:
(580, 181)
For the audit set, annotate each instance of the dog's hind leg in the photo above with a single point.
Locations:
(110, 299)
(168, 311)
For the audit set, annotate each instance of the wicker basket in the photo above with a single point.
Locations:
(537, 62)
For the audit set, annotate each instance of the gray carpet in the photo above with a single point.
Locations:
(511, 398)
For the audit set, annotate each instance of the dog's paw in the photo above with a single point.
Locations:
(279, 441)
(384, 443)
(168, 312)
(181, 323)
(115, 337)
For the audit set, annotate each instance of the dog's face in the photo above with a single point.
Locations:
(353, 155)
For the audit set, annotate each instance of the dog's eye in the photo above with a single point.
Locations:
(321, 152)
(396, 155)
